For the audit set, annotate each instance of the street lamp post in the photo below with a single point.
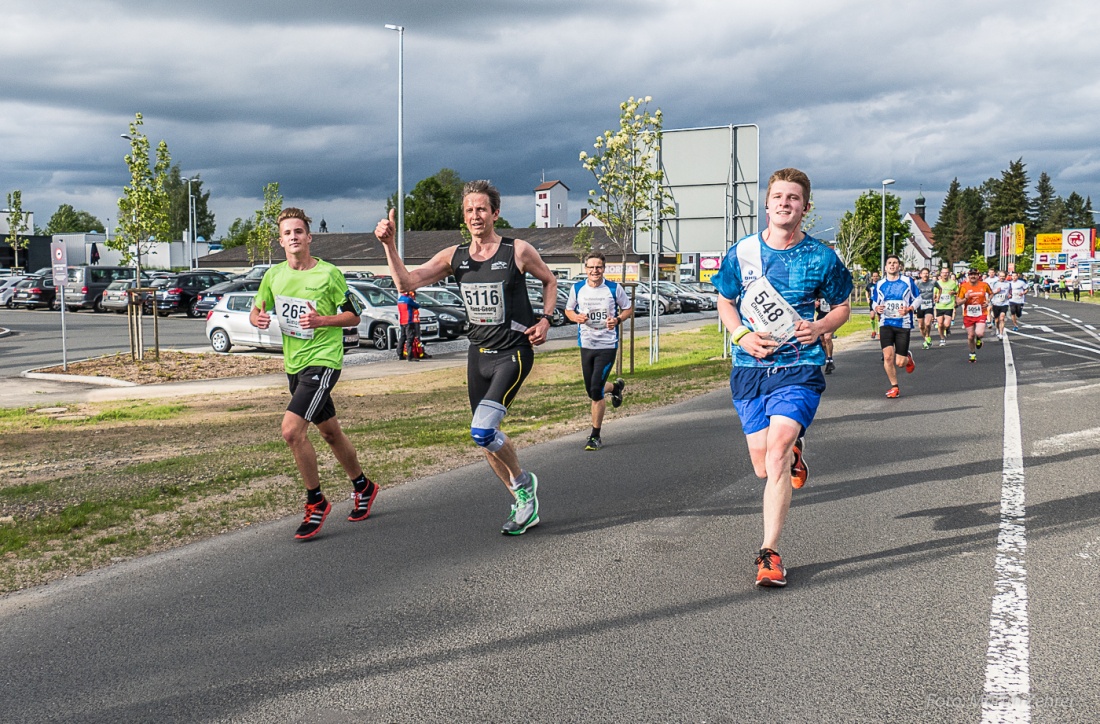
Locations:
(882, 240)
(894, 244)
(190, 245)
(400, 138)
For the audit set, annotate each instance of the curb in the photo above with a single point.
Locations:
(100, 381)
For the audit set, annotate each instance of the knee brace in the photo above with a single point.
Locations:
(486, 423)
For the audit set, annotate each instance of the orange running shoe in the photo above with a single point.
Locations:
(911, 364)
(315, 518)
(799, 469)
(893, 392)
(770, 572)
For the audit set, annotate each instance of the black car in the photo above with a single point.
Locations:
(209, 297)
(448, 307)
(34, 292)
(181, 292)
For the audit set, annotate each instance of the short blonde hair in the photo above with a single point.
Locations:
(792, 175)
(291, 212)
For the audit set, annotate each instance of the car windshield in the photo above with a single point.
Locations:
(121, 284)
(377, 297)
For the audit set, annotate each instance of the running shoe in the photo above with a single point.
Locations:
(829, 367)
(874, 335)
(361, 503)
(525, 511)
(978, 343)
(1015, 329)
(943, 342)
(594, 443)
(799, 470)
(315, 518)
(927, 343)
(910, 364)
(617, 392)
(894, 391)
(770, 572)
(973, 358)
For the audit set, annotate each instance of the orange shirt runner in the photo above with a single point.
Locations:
(975, 297)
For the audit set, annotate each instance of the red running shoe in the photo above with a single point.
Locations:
(770, 572)
(911, 364)
(893, 392)
(799, 469)
(315, 518)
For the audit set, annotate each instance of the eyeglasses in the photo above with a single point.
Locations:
(594, 268)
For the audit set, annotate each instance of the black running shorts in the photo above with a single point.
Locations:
(596, 367)
(311, 393)
(999, 311)
(895, 337)
(496, 375)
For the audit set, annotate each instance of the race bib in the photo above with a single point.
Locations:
(1000, 298)
(767, 311)
(290, 310)
(597, 316)
(893, 307)
(484, 302)
(973, 310)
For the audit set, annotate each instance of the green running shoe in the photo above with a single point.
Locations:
(525, 511)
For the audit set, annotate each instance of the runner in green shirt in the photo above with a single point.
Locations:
(311, 302)
(944, 292)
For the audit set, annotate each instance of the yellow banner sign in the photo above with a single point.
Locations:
(1048, 243)
(1018, 232)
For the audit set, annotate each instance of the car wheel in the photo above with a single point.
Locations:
(219, 340)
(557, 318)
(162, 313)
(193, 309)
(74, 310)
(55, 305)
(661, 308)
(380, 336)
(97, 305)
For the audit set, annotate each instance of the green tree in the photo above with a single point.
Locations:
(582, 242)
(265, 227)
(1077, 212)
(854, 239)
(868, 214)
(944, 230)
(238, 233)
(632, 195)
(179, 203)
(1041, 206)
(17, 223)
(1007, 201)
(434, 203)
(143, 208)
(67, 220)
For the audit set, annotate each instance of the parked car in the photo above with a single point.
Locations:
(258, 271)
(228, 324)
(116, 297)
(86, 285)
(36, 292)
(209, 297)
(558, 318)
(665, 304)
(448, 308)
(7, 288)
(181, 292)
(379, 315)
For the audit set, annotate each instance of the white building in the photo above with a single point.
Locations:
(551, 205)
(92, 249)
(918, 251)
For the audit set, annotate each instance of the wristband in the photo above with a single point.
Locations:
(739, 333)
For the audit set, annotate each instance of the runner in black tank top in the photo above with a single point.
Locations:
(492, 273)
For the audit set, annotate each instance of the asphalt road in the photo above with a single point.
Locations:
(633, 600)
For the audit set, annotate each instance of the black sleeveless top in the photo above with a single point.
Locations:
(495, 294)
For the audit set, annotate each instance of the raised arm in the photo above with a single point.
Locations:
(438, 267)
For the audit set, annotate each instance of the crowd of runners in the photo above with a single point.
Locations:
(781, 293)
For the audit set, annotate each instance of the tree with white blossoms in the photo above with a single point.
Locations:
(17, 222)
(632, 195)
(143, 210)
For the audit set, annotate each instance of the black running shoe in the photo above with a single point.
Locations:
(594, 443)
(361, 502)
(617, 392)
(829, 367)
(315, 518)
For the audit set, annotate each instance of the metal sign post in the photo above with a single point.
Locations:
(59, 259)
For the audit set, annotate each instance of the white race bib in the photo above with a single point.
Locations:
(767, 311)
(892, 308)
(1000, 298)
(484, 302)
(290, 310)
(974, 310)
(597, 316)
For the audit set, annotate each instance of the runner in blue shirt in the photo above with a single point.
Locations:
(767, 285)
(894, 298)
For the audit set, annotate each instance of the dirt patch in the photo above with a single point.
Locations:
(172, 367)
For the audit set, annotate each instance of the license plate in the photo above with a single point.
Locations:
(431, 328)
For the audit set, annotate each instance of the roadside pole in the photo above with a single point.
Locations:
(59, 256)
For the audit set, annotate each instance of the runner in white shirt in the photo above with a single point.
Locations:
(1016, 300)
(599, 307)
(1002, 290)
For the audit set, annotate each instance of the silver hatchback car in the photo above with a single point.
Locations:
(227, 324)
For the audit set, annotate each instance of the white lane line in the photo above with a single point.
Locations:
(1090, 327)
(1094, 350)
(1007, 673)
(1075, 319)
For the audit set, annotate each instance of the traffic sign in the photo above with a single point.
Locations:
(59, 260)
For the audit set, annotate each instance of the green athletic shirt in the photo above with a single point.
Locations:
(951, 287)
(284, 292)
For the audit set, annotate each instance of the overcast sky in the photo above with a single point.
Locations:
(305, 94)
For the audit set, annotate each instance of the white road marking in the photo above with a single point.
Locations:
(1075, 319)
(1007, 672)
(1094, 350)
(1067, 441)
(1076, 390)
(1090, 327)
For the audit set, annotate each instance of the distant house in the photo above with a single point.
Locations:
(551, 205)
(588, 219)
(919, 251)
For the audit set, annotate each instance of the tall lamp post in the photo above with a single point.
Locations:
(882, 240)
(400, 138)
(190, 224)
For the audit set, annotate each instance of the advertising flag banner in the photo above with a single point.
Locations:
(1018, 235)
(990, 243)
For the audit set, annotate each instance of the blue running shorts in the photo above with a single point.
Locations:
(796, 402)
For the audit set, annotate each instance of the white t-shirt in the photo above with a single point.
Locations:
(600, 304)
